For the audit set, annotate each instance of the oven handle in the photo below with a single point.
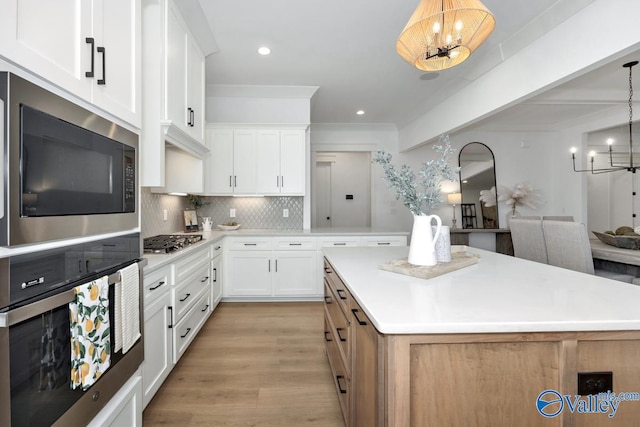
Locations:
(20, 314)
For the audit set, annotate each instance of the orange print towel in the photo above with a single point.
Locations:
(90, 333)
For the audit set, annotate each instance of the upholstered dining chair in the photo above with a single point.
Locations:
(557, 218)
(568, 246)
(528, 239)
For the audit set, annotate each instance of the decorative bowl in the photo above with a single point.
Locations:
(228, 227)
(624, 242)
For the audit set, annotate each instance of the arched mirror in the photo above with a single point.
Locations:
(477, 173)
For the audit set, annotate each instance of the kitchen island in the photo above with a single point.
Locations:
(479, 345)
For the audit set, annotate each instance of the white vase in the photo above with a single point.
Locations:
(422, 247)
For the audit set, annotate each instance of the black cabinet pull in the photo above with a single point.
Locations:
(186, 333)
(295, 244)
(217, 248)
(235, 180)
(230, 181)
(103, 51)
(251, 244)
(327, 270)
(327, 336)
(355, 314)
(384, 243)
(193, 117)
(327, 299)
(341, 293)
(185, 298)
(189, 112)
(204, 280)
(170, 317)
(153, 288)
(342, 390)
(269, 268)
(91, 41)
(276, 266)
(282, 181)
(205, 308)
(215, 274)
(339, 244)
(340, 335)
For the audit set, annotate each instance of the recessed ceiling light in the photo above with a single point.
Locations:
(360, 112)
(264, 50)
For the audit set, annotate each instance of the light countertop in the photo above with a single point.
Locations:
(499, 294)
(156, 261)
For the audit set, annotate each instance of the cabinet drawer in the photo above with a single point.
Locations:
(301, 243)
(216, 249)
(384, 241)
(338, 325)
(249, 244)
(185, 330)
(339, 289)
(339, 241)
(187, 265)
(341, 380)
(157, 283)
(186, 293)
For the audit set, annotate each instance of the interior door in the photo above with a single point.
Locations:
(323, 195)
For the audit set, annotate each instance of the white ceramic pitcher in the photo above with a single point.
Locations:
(422, 247)
(206, 223)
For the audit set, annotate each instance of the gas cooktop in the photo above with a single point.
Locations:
(166, 243)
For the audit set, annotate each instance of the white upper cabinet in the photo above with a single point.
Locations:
(173, 91)
(88, 48)
(264, 162)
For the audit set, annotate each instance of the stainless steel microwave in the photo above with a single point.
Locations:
(67, 171)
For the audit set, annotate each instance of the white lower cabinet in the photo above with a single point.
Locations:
(216, 274)
(158, 339)
(294, 273)
(158, 346)
(124, 409)
(250, 273)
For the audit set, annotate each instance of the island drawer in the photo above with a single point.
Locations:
(341, 379)
(338, 287)
(338, 324)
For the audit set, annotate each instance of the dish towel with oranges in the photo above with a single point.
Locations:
(90, 333)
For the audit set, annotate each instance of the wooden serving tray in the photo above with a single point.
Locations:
(624, 242)
(459, 259)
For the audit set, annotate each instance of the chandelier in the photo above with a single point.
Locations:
(614, 166)
(442, 33)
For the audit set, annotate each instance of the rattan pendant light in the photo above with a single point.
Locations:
(443, 33)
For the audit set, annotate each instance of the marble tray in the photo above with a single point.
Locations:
(458, 260)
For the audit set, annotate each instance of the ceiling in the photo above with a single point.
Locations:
(347, 50)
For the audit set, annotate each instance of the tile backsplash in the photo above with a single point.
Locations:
(251, 212)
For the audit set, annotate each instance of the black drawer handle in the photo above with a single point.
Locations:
(342, 390)
(185, 298)
(103, 80)
(339, 244)
(327, 336)
(383, 243)
(251, 244)
(295, 244)
(205, 279)
(91, 41)
(153, 288)
(355, 314)
(341, 293)
(327, 299)
(217, 248)
(186, 333)
(206, 307)
(340, 335)
(327, 270)
(170, 317)
(215, 274)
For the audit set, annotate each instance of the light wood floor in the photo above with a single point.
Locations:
(252, 364)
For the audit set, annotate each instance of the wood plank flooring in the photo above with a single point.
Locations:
(252, 364)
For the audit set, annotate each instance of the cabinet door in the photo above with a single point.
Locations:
(219, 164)
(295, 273)
(365, 377)
(244, 161)
(292, 162)
(48, 39)
(124, 409)
(116, 85)
(195, 91)
(268, 164)
(158, 346)
(250, 273)
(176, 74)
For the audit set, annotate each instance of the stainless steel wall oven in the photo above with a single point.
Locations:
(35, 349)
(68, 172)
